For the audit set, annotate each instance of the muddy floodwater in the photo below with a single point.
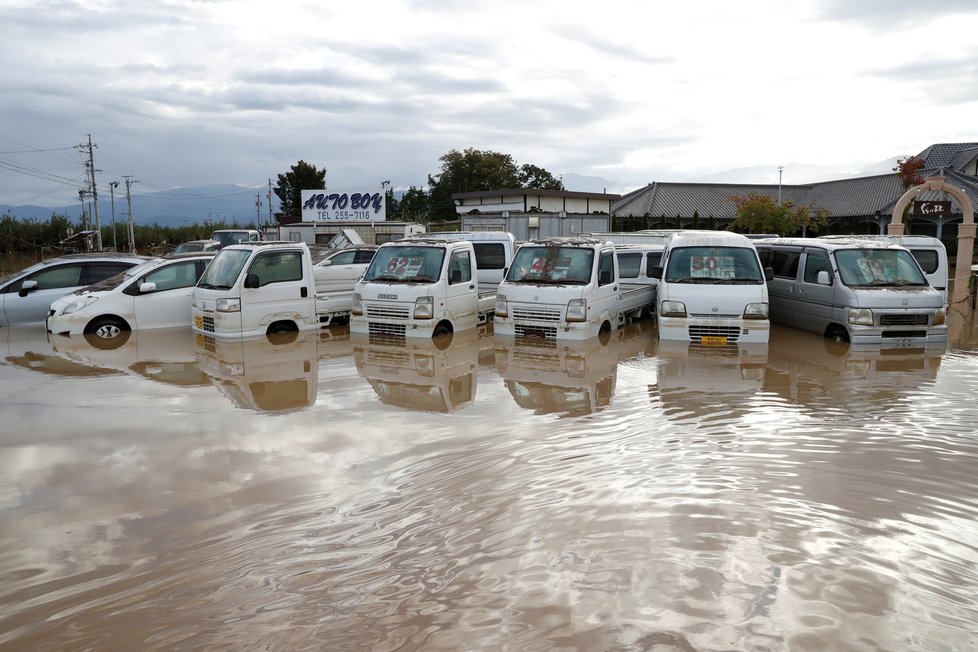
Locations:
(338, 493)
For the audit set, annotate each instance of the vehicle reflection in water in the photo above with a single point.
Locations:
(429, 375)
(277, 373)
(29, 347)
(567, 378)
(163, 355)
(695, 382)
(824, 375)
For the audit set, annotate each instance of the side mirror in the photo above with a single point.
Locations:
(27, 287)
(768, 273)
(325, 263)
(251, 281)
(822, 278)
(146, 288)
(657, 272)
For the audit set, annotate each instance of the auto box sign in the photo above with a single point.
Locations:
(341, 206)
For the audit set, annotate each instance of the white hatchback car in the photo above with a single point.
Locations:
(155, 294)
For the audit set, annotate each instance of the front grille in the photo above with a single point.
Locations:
(208, 324)
(903, 334)
(903, 319)
(698, 332)
(207, 343)
(546, 332)
(380, 328)
(387, 311)
(536, 314)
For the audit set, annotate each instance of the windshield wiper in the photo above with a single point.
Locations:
(386, 277)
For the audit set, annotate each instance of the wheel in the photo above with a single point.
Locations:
(282, 327)
(107, 332)
(837, 334)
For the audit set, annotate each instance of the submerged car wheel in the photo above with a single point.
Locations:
(107, 332)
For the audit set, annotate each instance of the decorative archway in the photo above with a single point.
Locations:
(966, 230)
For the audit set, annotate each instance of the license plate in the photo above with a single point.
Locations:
(713, 340)
(198, 321)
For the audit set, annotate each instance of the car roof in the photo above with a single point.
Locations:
(190, 254)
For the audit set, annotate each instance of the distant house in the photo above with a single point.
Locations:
(532, 213)
(857, 205)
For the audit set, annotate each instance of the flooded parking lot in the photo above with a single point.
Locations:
(341, 493)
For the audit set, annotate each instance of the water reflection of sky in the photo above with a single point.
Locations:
(790, 497)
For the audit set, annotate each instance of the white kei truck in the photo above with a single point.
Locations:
(261, 288)
(567, 288)
(422, 287)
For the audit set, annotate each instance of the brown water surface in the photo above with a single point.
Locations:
(330, 492)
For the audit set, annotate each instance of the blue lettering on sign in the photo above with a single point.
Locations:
(339, 201)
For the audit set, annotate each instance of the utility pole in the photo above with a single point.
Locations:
(132, 237)
(90, 164)
(258, 217)
(780, 168)
(84, 222)
(269, 203)
(112, 186)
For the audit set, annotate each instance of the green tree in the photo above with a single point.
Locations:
(301, 176)
(415, 206)
(532, 176)
(761, 214)
(476, 170)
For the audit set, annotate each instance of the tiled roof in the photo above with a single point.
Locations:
(856, 197)
(706, 199)
(941, 155)
(966, 183)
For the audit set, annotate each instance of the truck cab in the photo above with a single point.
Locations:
(421, 287)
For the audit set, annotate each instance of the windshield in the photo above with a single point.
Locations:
(553, 264)
(230, 237)
(406, 264)
(714, 265)
(878, 268)
(224, 269)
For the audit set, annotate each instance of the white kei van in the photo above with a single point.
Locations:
(858, 290)
(494, 252)
(711, 290)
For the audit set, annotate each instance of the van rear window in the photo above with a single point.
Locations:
(629, 265)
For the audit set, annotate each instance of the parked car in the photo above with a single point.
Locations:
(26, 296)
(235, 236)
(197, 245)
(155, 294)
(345, 266)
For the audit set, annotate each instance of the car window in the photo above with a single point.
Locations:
(171, 277)
(460, 268)
(490, 255)
(342, 258)
(277, 267)
(363, 256)
(629, 265)
(606, 264)
(61, 276)
(927, 259)
(816, 261)
(99, 271)
(785, 263)
(652, 259)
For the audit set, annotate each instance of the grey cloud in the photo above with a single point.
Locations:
(884, 14)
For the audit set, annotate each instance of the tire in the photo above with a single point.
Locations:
(282, 327)
(837, 334)
(107, 332)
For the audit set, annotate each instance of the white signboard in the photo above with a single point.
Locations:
(342, 206)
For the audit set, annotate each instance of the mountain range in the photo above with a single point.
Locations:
(232, 203)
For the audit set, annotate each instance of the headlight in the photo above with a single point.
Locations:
(672, 309)
(424, 307)
(228, 305)
(755, 311)
(860, 316)
(78, 305)
(576, 310)
(502, 308)
(357, 308)
(938, 317)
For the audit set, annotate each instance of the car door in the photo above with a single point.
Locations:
(606, 289)
(338, 272)
(463, 292)
(53, 282)
(281, 288)
(814, 300)
(168, 305)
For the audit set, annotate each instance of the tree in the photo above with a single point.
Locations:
(476, 170)
(302, 176)
(760, 214)
(907, 169)
(532, 176)
(415, 206)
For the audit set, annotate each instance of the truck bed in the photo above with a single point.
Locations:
(633, 299)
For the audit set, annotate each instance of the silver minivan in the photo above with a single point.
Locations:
(863, 291)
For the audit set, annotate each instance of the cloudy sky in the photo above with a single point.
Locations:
(182, 93)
